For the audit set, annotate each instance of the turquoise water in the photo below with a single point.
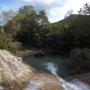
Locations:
(40, 63)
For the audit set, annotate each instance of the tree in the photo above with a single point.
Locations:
(27, 10)
(43, 19)
(6, 16)
(29, 27)
(68, 13)
(85, 10)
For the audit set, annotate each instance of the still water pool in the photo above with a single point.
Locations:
(40, 63)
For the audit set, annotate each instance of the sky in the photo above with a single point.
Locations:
(55, 9)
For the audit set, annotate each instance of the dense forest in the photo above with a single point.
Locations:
(27, 29)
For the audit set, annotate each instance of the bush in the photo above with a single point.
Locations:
(3, 42)
(7, 44)
(14, 46)
(81, 58)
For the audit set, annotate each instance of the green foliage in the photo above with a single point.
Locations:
(27, 10)
(3, 42)
(14, 46)
(7, 44)
(75, 31)
(81, 58)
(42, 18)
(28, 27)
(33, 29)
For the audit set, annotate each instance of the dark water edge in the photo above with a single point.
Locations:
(39, 63)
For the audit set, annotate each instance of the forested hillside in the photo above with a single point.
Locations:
(33, 30)
(28, 29)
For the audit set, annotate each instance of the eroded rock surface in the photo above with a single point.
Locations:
(12, 67)
(16, 75)
(44, 82)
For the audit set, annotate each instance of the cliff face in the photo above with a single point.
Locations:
(11, 67)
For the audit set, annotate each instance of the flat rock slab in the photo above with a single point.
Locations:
(44, 82)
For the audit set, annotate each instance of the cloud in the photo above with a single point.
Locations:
(50, 6)
(56, 9)
(47, 2)
(58, 13)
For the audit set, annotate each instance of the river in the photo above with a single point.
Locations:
(58, 66)
(40, 63)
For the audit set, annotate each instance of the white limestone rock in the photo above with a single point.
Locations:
(12, 67)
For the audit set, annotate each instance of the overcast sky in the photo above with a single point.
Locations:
(55, 9)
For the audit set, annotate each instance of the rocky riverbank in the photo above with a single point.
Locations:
(36, 53)
(13, 72)
(15, 75)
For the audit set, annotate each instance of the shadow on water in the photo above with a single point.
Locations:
(38, 63)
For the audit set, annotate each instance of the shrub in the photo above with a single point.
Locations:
(3, 42)
(14, 46)
(7, 44)
(81, 58)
